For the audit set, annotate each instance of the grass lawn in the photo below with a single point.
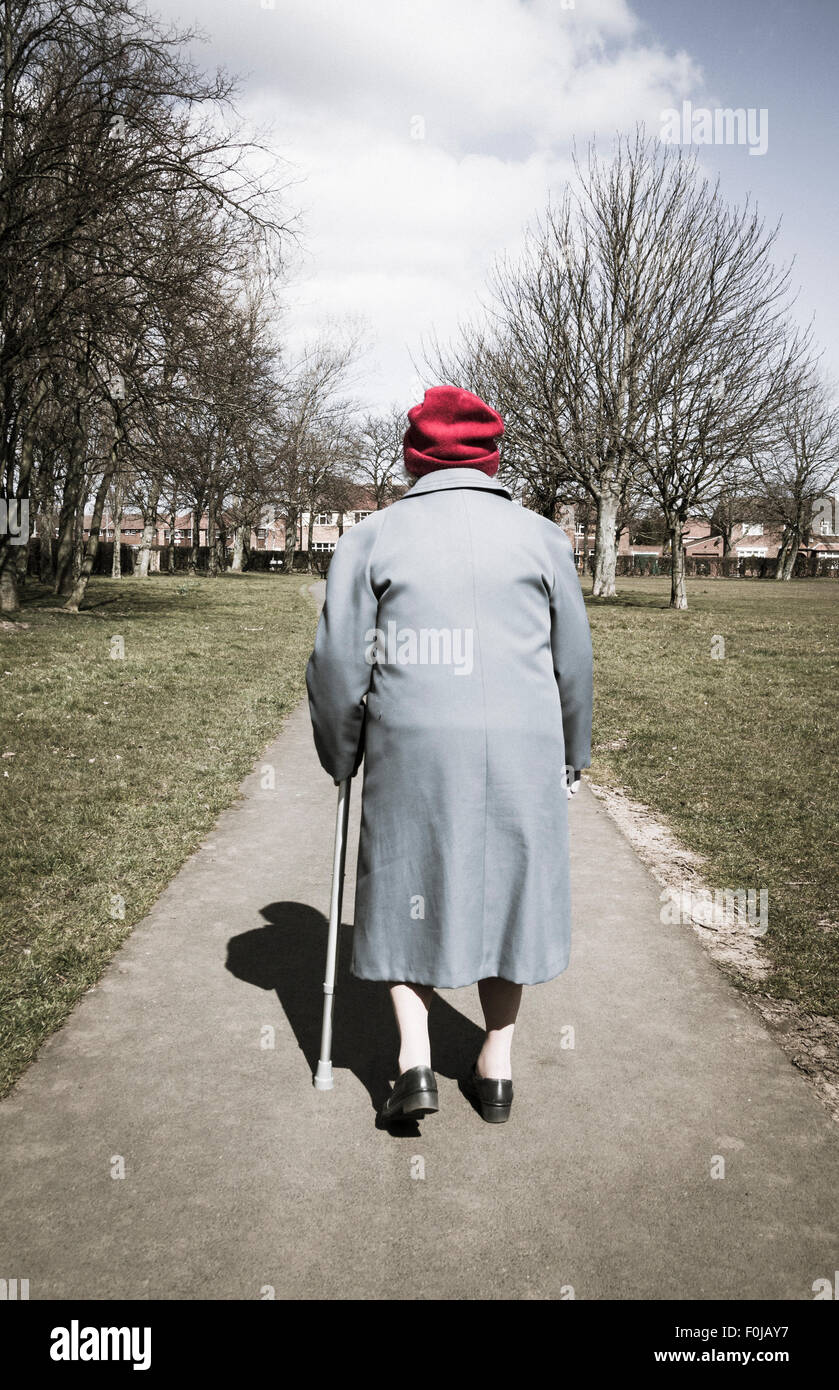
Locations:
(113, 770)
(740, 754)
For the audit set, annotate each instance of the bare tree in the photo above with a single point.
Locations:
(799, 465)
(718, 378)
(730, 502)
(339, 494)
(378, 453)
(111, 147)
(638, 340)
(573, 322)
(314, 432)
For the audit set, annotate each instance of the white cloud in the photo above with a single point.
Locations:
(401, 231)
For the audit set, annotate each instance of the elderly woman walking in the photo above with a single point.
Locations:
(453, 653)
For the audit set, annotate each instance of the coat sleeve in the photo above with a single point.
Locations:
(572, 655)
(338, 674)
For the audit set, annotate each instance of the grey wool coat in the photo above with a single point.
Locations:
(453, 652)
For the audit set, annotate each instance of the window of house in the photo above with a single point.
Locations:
(323, 545)
(579, 529)
(825, 529)
(323, 519)
(752, 553)
(261, 533)
(359, 516)
(753, 529)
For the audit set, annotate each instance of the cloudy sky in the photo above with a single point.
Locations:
(422, 135)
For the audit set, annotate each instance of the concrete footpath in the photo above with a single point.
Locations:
(189, 1066)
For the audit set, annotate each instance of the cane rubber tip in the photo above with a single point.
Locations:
(323, 1077)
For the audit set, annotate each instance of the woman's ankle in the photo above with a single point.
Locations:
(418, 1057)
(496, 1064)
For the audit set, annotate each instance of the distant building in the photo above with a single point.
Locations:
(269, 535)
(749, 539)
(328, 526)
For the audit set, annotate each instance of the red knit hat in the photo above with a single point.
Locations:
(452, 429)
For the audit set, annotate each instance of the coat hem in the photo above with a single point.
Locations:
(405, 979)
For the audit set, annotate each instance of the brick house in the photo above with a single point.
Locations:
(582, 538)
(329, 526)
(269, 535)
(750, 540)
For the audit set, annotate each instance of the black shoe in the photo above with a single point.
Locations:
(414, 1095)
(494, 1095)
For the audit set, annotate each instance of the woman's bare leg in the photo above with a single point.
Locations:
(500, 1000)
(410, 1005)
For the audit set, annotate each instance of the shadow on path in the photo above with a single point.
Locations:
(288, 955)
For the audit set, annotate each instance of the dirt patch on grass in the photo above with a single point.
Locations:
(811, 1041)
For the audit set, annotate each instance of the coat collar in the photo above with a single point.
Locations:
(443, 478)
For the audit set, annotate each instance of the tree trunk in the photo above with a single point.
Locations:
(678, 592)
(290, 539)
(212, 569)
(221, 541)
(238, 549)
(20, 553)
(212, 549)
(196, 533)
(70, 503)
(787, 555)
(14, 559)
(219, 547)
(78, 539)
(116, 567)
(46, 526)
(74, 601)
(8, 584)
(725, 535)
(173, 521)
(149, 530)
(606, 545)
(310, 531)
(789, 560)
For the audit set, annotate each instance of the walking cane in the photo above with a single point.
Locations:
(323, 1075)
